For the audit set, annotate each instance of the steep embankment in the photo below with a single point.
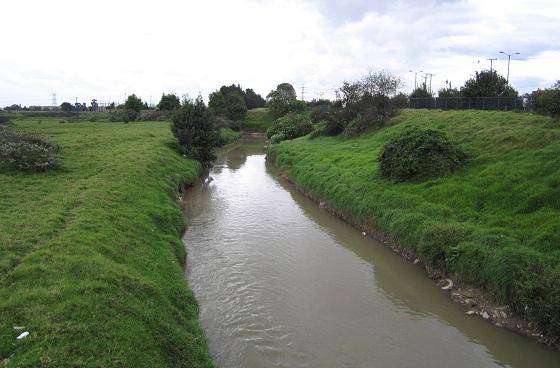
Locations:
(91, 253)
(495, 223)
(257, 120)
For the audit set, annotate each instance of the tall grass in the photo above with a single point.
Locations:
(494, 223)
(91, 254)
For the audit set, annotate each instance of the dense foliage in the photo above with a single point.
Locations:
(545, 101)
(494, 224)
(26, 152)
(419, 153)
(487, 83)
(193, 127)
(363, 105)
(169, 102)
(278, 100)
(253, 100)
(133, 103)
(228, 101)
(289, 127)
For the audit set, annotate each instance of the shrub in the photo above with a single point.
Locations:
(193, 126)
(4, 119)
(25, 152)
(319, 130)
(319, 113)
(124, 115)
(297, 106)
(362, 123)
(289, 127)
(416, 154)
(548, 102)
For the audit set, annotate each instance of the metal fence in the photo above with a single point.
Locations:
(464, 103)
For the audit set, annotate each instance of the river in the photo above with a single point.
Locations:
(282, 283)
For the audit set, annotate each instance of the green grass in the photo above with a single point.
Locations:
(257, 120)
(91, 253)
(494, 223)
(227, 135)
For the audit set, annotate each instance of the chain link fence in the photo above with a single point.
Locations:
(464, 103)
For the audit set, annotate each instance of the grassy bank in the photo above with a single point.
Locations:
(91, 253)
(257, 120)
(495, 223)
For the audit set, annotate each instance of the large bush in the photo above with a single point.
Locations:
(416, 154)
(547, 102)
(193, 126)
(25, 152)
(289, 127)
(278, 100)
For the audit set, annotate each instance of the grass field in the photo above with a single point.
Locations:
(91, 253)
(257, 120)
(494, 223)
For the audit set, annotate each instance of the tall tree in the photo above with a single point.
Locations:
(193, 126)
(66, 106)
(253, 100)
(487, 84)
(133, 103)
(279, 99)
(169, 102)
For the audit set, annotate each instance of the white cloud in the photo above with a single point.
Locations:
(108, 48)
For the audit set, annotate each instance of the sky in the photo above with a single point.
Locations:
(109, 49)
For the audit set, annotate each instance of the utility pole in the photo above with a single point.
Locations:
(426, 75)
(491, 60)
(509, 59)
(415, 74)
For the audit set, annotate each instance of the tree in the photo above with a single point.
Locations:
(420, 92)
(380, 83)
(253, 100)
(449, 92)
(94, 105)
(169, 102)
(279, 99)
(228, 102)
(111, 106)
(487, 84)
(66, 106)
(193, 127)
(134, 103)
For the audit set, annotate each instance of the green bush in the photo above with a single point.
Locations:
(548, 102)
(193, 127)
(289, 127)
(297, 106)
(4, 119)
(363, 123)
(418, 154)
(25, 152)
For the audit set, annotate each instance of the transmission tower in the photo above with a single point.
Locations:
(53, 101)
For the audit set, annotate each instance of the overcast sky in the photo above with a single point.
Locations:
(106, 49)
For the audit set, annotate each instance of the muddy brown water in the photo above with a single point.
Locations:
(282, 283)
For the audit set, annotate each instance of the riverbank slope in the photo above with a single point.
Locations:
(494, 224)
(91, 253)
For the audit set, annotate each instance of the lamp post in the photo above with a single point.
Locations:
(415, 74)
(509, 59)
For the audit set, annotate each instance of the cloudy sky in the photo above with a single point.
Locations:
(106, 49)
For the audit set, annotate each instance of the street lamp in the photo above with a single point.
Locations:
(415, 73)
(509, 59)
